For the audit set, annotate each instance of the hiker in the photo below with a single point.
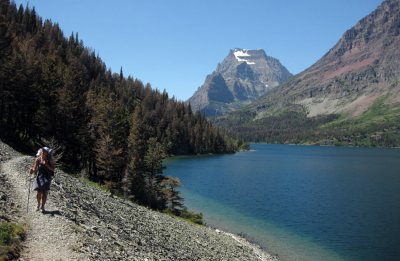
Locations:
(44, 165)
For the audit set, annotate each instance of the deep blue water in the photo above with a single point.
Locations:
(301, 202)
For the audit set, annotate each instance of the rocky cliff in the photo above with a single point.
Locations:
(243, 76)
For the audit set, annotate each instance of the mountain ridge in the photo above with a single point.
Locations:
(241, 77)
(363, 58)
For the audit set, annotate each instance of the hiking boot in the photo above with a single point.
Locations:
(38, 207)
(42, 208)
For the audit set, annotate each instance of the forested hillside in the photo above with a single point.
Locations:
(113, 128)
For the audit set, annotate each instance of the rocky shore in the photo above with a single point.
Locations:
(85, 223)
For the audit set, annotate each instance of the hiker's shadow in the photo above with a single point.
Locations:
(52, 213)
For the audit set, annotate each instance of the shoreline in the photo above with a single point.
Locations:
(257, 249)
(326, 145)
(262, 253)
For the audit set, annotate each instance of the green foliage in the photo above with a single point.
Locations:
(95, 185)
(171, 195)
(154, 157)
(11, 236)
(10, 232)
(288, 126)
(244, 146)
(196, 218)
(192, 217)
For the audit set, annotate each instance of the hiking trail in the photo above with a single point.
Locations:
(49, 235)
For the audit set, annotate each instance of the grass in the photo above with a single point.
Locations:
(189, 216)
(196, 218)
(87, 181)
(94, 184)
(11, 236)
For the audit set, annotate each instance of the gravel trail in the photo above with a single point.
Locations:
(50, 235)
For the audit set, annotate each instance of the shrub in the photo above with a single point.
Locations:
(11, 236)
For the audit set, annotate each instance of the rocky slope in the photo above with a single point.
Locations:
(9, 208)
(363, 66)
(82, 222)
(243, 76)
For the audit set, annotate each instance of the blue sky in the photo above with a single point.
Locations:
(174, 44)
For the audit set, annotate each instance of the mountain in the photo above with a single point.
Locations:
(243, 76)
(351, 95)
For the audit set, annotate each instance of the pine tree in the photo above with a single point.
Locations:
(153, 159)
(107, 158)
(174, 202)
(136, 150)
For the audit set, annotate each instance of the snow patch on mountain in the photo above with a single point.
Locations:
(239, 54)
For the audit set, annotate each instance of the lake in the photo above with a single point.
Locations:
(300, 202)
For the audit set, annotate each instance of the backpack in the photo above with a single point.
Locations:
(49, 154)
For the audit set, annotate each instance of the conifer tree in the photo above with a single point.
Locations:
(136, 149)
(107, 158)
(153, 159)
(174, 201)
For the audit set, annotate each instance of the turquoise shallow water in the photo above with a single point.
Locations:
(301, 202)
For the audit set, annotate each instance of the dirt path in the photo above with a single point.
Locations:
(50, 235)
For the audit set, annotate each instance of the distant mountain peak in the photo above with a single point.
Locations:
(243, 76)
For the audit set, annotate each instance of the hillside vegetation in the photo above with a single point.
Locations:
(112, 129)
(379, 126)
